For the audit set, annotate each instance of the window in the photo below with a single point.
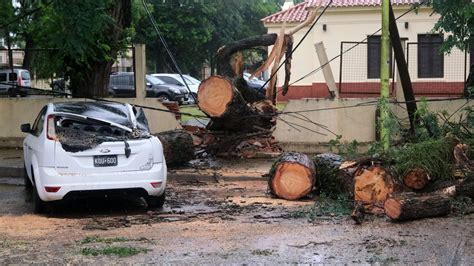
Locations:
(3, 77)
(170, 80)
(39, 123)
(430, 59)
(373, 58)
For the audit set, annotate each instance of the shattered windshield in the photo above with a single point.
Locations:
(85, 125)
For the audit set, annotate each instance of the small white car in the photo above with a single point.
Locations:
(19, 77)
(79, 149)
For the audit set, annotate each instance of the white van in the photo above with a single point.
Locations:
(19, 77)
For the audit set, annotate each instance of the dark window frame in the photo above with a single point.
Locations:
(429, 64)
(373, 57)
(39, 122)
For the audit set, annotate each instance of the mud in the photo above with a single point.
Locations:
(219, 222)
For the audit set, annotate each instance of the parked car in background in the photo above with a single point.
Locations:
(83, 149)
(175, 79)
(255, 83)
(59, 85)
(9, 79)
(122, 84)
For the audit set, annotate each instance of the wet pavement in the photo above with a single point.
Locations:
(219, 221)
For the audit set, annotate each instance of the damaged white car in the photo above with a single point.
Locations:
(79, 149)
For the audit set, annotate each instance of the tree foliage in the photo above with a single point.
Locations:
(195, 30)
(457, 19)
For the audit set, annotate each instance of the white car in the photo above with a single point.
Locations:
(175, 79)
(77, 149)
(19, 77)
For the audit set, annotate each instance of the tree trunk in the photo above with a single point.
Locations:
(224, 54)
(372, 185)
(28, 56)
(415, 206)
(292, 176)
(91, 79)
(178, 147)
(463, 188)
(228, 109)
(416, 178)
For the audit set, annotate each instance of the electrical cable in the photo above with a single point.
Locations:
(170, 54)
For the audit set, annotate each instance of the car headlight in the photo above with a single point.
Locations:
(175, 90)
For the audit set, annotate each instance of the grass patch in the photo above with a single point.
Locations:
(192, 110)
(118, 251)
(96, 239)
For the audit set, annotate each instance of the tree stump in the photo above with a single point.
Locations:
(178, 147)
(416, 178)
(228, 109)
(292, 176)
(372, 185)
(415, 206)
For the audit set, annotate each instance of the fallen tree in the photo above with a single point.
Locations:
(292, 176)
(413, 206)
(178, 147)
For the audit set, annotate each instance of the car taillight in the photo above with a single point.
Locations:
(51, 128)
(155, 184)
(52, 189)
(19, 81)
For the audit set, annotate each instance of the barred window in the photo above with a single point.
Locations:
(430, 58)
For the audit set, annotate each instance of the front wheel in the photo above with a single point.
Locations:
(155, 202)
(163, 98)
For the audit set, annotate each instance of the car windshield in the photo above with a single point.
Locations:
(25, 75)
(154, 80)
(192, 80)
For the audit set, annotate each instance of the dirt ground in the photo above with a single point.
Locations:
(218, 221)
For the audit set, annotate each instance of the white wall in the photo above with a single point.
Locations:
(355, 24)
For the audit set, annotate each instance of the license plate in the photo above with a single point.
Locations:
(105, 160)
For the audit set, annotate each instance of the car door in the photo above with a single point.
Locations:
(31, 143)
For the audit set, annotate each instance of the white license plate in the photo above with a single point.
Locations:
(105, 160)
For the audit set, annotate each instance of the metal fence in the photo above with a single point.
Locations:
(359, 73)
(432, 73)
(435, 73)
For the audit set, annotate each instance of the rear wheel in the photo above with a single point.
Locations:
(156, 202)
(26, 179)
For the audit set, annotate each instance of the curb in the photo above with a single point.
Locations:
(6, 171)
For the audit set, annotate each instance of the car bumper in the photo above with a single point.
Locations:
(50, 177)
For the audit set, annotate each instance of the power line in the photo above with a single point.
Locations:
(349, 49)
(297, 45)
(165, 45)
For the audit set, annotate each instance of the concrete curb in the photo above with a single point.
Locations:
(11, 171)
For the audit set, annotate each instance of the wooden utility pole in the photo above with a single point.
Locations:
(385, 76)
(403, 71)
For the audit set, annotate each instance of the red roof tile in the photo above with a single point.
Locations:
(299, 13)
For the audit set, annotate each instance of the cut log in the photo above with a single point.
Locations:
(416, 178)
(372, 185)
(292, 176)
(462, 188)
(415, 206)
(178, 147)
(228, 110)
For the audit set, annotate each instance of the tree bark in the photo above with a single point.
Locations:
(224, 54)
(292, 176)
(178, 147)
(332, 180)
(412, 206)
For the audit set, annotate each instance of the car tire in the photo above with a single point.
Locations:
(163, 97)
(26, 179)
(155, 202)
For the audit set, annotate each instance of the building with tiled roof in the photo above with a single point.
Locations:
(356, 72)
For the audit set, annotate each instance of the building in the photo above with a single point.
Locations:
(348, 31)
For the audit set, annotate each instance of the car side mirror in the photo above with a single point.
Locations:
(148, 84)
(26, 128)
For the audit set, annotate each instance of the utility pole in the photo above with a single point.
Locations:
(385, 76)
